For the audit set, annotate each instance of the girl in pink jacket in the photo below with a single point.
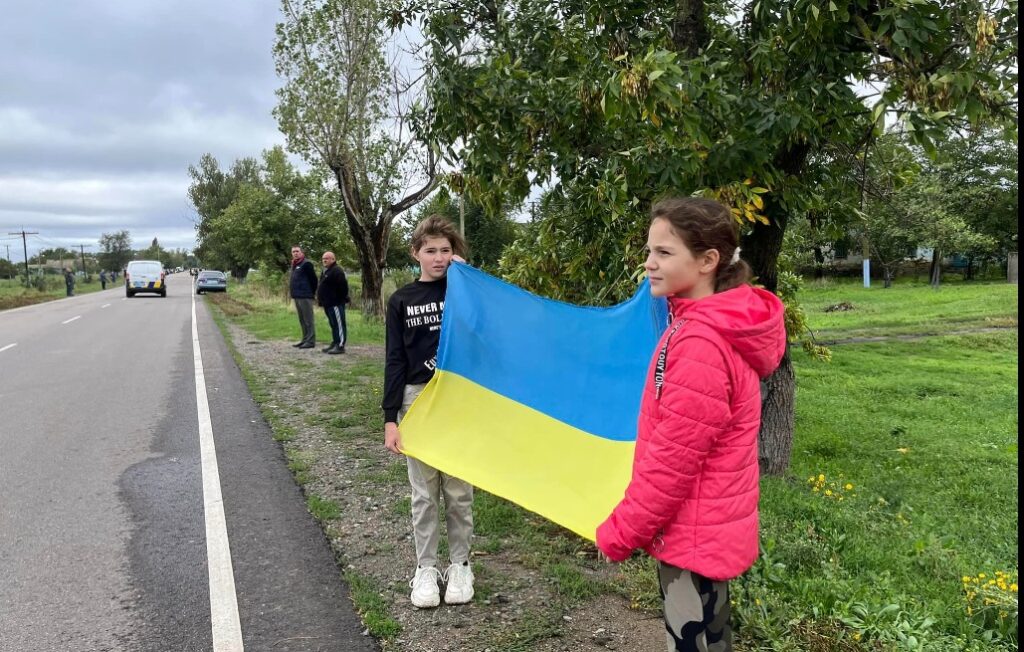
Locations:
(692, 500)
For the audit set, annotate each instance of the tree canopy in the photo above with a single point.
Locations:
(344, 106)
(617, 103)
(253, 213)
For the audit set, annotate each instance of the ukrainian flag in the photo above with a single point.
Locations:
(536, 400)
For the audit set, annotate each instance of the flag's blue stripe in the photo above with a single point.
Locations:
(588, 371)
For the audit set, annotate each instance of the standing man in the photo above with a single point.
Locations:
(332, 293)
(69, 281)
(103, 279)
(303, 288)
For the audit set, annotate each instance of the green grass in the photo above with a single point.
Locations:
(372, 606)
(13, 294)
(323, 509)
(923, 430)
(907, 308)
(269, 316)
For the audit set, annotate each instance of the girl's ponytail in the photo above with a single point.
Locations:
(732, 274)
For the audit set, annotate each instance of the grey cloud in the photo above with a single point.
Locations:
(105, 103)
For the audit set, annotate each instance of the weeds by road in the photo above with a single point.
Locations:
(13, 294)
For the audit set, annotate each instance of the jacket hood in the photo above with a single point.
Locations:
(750, 319)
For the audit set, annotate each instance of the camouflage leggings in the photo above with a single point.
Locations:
(696, 611)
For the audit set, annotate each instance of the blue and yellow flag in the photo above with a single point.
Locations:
(536, 400)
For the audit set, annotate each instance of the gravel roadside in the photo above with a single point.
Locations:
(361, 497)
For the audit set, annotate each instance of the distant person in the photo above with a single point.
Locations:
(69, 281)
(303, 289)
(332, 294)
(103, 279)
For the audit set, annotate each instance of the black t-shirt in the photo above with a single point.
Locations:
(413, 333)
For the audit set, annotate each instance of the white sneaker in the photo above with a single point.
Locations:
(425, 592)
(460, 584)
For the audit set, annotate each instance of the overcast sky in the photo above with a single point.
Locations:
(105, 103)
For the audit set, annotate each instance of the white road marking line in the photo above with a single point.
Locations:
(227, 630)
(106, 305)
(9, 346)
(72, 319)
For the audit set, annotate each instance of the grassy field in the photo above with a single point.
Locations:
(13, 294)
(267, 313)
(896, 526)
(907, 308)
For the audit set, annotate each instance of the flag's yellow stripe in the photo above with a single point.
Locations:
(518, 453)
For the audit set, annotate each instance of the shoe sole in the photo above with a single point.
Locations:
(466, 601)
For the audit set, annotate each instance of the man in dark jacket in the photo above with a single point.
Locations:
(303, 289)
(332, 293)
(69, 281)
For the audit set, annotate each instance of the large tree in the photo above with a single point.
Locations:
(212, 191)
(616, 103)
(115, 250)
(274, 207)
(344, 106)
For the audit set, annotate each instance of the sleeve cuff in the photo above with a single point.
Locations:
(390, 415)
(608, 542)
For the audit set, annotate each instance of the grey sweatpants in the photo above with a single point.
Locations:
(304, 307)
(428, 484)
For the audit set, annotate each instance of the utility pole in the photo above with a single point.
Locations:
(81, 248)
(24, 246)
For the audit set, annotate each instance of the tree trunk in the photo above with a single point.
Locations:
(778, 410)
(936, 272)
(373, 287)
(369, 250)
(761, 249)
(762, 246)
(888, 277)
(689, 31)
(819, 263)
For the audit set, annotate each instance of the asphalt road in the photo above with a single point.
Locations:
(103, 531)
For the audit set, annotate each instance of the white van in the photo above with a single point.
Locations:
(144, 276)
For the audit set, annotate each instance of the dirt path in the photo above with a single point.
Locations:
(913, 338)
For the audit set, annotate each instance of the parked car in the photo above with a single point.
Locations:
(211, 281)
(145, 276)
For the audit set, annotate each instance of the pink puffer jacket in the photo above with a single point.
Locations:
(692, 499)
